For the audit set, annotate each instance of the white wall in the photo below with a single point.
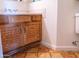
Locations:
(77, 6)
(49, 8)
(59, 24)
(50, 24)
(66, 25)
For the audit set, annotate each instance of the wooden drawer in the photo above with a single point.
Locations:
(15, 19)
(36, 18)
(4, 20)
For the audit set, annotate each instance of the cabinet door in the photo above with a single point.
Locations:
(33, 30)
(11, 37)
(37, 18)
(24, 29)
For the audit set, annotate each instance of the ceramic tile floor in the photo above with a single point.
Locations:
(44, 52)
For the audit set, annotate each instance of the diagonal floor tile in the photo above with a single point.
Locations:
(68, 55)
(35, 49)
(56, 55)
(43, 49)
(77, 54)
(52, 50)
(31, 55)
(19, 55)
(44, 52)
(43, 55)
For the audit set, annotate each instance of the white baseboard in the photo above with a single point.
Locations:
(67, 48)
(48, 45)
(60, 48)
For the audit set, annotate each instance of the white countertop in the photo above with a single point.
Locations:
(21, 13)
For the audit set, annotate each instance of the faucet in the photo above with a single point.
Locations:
(10, 10)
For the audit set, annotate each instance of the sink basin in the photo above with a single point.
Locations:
(11, 7)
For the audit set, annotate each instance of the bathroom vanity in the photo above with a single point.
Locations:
(20, 32)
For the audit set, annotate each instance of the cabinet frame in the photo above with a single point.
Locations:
(24, 30)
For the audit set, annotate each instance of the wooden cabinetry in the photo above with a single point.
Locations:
(33, 29)
(12, 37)
(33, 32)
(4, 20)
(21, 31)
(18, 19)
(37, 18)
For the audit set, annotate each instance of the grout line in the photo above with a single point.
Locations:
(50, 55)
(75, 55)
(25, 55)
(37, 55)
(38, 51)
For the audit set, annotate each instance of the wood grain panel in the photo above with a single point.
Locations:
(11, 37)
(20, 31)
(17, 19)
(4, 20)
(33, 32)
(36, 18)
